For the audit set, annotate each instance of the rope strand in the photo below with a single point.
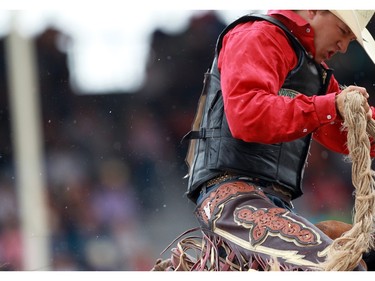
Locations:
(345, 253)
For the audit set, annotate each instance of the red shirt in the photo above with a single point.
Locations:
(254, 61)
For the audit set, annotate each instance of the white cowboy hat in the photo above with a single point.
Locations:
(357, 20)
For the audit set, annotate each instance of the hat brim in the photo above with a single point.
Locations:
(368, 44)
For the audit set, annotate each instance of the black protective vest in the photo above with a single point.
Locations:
(214, 150)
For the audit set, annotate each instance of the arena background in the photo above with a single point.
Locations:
(112, 163)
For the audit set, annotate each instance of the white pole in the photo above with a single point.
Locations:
(26, 133)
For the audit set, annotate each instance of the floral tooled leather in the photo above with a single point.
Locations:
(273, 221)
(221, 194)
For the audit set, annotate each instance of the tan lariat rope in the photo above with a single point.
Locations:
(346, 251)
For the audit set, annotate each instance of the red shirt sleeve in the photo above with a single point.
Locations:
(254, 62)
(332, 135)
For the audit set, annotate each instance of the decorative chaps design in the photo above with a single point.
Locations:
(254, 228)
(272, 222)
(242, 230)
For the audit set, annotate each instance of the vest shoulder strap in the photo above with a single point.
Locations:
(254, 17)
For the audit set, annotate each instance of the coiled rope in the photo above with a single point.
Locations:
(345, 253)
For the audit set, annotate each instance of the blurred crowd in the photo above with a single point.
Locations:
(115, 161)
